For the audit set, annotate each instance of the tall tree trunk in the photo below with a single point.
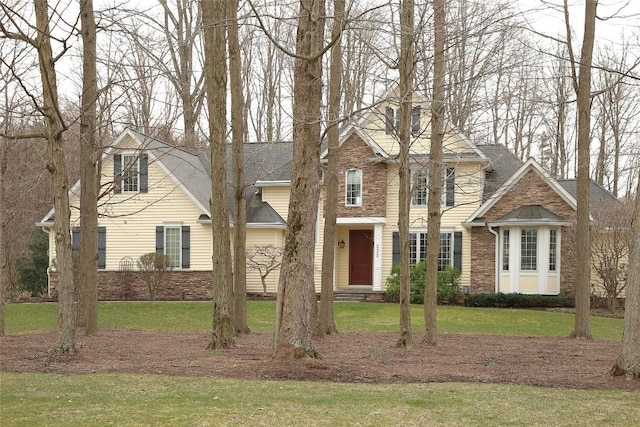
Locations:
(406, 66)
(296, 289)
(239, 204)
(213, 21)
(57, 166)
(3, 240)
(583, 273)
(628, 363)
(327, 324)
(435, 177)
(87, 315)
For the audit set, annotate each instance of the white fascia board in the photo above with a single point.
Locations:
(529, 224)
(266, 225)
(530, 164)
(361, 220)
(280, 183)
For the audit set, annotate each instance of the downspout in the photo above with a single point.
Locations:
(497, 258)
(47, 231)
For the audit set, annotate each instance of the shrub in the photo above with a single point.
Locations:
(153, 267)
(516, 300)
(448, 284)
(32, 270)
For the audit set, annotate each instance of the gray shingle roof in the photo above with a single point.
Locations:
(503, 164)
(263, 161)
(530, 214)
(598, 196)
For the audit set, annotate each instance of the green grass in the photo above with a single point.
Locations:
(350, 317)
(134, 400)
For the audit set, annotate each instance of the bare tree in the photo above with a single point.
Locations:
(49, 108)
(213, 21)
(326, 324)
(406, 69)
(182, 36)
(628, 363)
(270, 71)
(239, 203)
(87, 315)
(582, 86)
(264, 259)
(296, 291)
(57, 166)
(610, 242)
(618, 104)
(435, 175)
(3, 245)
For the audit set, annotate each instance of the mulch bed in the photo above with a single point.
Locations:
(352, 357)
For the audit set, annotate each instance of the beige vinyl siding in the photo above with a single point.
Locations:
(131, 219)
(261, 237)
(278, 198)
(469, 182)
(420, 143)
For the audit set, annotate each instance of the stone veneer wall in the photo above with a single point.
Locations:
(355, 154)
(531, 189)
(120, 286)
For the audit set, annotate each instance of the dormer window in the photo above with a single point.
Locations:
(392, 120)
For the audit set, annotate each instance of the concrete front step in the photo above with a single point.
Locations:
(348, 296)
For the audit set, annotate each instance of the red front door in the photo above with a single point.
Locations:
(360, 257)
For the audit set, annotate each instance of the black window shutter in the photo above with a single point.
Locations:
(396, 248)
(75, 239)
(186, 241)
(102, 247)
(451, 186)
(388, 124)
(160, 239)
(117, 170)
(415, 120)
(457, 250)
(144, 173)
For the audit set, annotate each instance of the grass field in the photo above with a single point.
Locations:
(350, 317)
(136, 400)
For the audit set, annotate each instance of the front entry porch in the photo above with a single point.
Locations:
(358, 258)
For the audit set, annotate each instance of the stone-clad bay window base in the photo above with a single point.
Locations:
(124, 286)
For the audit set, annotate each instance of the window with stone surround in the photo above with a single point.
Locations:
(353, 188)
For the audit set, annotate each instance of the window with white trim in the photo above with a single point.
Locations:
(419, 187)
(353, 188)
(418, 249)
(445, 251)
(173, 244)
(130, 173)
(505, 250)
(553, 250)
(529, 249)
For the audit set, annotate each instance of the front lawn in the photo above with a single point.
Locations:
(350, 317)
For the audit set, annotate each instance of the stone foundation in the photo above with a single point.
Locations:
(129, 286)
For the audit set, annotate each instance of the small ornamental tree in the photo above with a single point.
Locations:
(153, 267)
(264, 259)
(610, 240)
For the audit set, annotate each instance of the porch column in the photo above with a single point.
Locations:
(377, 257)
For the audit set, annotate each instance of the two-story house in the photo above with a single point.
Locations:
(503, 221)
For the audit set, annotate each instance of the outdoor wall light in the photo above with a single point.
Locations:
(341, 244)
